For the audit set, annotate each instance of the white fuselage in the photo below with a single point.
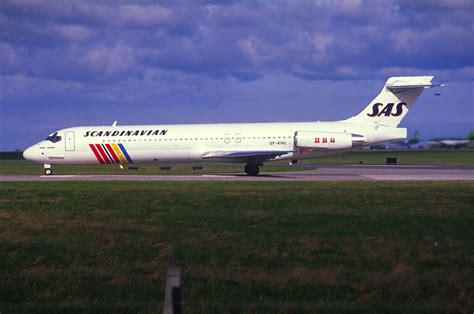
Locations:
(191, 143)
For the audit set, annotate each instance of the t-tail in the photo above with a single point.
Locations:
(394, 101)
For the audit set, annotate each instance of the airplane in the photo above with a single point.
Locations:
(249, 143)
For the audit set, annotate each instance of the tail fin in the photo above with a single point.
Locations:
(394, 101)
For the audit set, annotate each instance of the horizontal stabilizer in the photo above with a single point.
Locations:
(397, 87)
(399, 84)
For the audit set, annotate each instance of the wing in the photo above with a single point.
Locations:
(245, 156)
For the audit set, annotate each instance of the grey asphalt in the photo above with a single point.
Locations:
(323, 173)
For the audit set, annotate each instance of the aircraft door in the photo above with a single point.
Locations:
(70, 145)
(227, 138)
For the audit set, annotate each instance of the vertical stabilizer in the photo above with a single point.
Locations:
(394, 101)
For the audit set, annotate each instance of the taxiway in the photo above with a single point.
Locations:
(322, 173)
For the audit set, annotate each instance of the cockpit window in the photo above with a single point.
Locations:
(54, 138)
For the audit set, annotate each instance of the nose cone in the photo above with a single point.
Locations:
(28, 153)
(31, 153)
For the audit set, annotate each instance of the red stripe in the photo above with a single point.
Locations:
(107, 153)
(111, 151)
(102, 153)
(96, 153)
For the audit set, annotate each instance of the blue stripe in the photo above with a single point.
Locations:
(124, 151)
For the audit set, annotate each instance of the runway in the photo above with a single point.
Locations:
(322, 173)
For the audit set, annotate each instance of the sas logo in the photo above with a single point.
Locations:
(387, 110)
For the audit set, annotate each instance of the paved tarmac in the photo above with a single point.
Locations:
(323, 173)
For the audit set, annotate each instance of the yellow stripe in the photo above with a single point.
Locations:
(119, 153)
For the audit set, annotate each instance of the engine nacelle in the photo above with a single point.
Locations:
(328, 140)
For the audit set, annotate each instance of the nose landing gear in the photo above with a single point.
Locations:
(251, 169)
(48, 170)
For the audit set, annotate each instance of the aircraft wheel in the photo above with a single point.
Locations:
(251, 170)
(48, 171)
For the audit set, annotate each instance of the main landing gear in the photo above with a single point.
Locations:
(48, 170)
(251, 169)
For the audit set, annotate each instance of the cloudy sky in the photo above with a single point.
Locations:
(68, 63)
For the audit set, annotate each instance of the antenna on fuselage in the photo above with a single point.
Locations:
(115, 123)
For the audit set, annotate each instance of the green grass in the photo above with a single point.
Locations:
(399, 246)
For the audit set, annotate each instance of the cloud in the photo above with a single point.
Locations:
(144, 15)
(311, 39)
(74, 33)
(9, 59)
(110, 60)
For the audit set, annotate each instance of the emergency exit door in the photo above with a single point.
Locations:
(70, 146)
